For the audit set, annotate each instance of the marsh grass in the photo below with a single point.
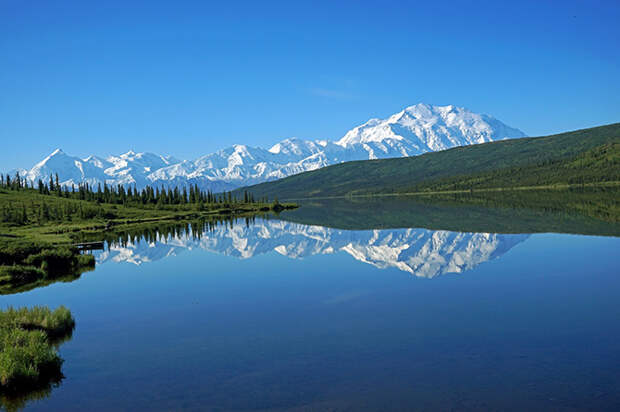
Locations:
(54, 323)
(23, 264)
(28, 347)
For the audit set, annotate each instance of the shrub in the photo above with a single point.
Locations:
(85, 261)
(58, 260)
(18, 274)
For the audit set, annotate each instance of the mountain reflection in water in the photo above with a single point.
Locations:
(421, 252)
(423, 236)
(234, 325)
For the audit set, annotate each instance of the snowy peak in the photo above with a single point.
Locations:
(412, 131)
(52, 157)
(57, 162)
(296, 147)
(421, 128)
(97, 162)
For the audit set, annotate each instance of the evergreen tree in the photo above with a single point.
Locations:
(184, 196)
(24, 216)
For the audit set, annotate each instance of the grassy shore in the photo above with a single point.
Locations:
(25, 264)
(69, 217)
(28, 338)
(508, 189)
(39, 232)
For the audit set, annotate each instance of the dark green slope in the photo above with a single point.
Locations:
(582, 156)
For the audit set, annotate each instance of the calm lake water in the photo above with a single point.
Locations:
(277, 315)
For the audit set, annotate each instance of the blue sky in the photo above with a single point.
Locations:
(187, 78)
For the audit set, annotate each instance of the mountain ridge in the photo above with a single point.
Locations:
(578, 157)
(414, 130)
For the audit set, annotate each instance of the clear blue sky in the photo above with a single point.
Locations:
(187, 78)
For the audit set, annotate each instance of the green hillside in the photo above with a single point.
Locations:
(579, 157)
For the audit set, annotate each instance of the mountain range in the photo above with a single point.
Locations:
(419, 252)
(586, 156)
(414, 130)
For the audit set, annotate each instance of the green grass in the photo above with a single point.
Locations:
(588, 156)
(598, 165)
(28, 355)
(55, 323)
(26, 264)
(37, 248)
(69, 217)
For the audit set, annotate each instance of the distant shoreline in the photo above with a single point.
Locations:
(444, 192)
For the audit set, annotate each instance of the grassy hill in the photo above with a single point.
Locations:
(579, 157)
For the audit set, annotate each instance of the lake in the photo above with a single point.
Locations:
(288, 314)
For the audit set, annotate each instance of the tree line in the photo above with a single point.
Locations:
(121, 195)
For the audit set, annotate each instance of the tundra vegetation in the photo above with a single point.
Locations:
(41, 223)
(29, 360)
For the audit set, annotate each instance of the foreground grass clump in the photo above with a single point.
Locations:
(55, 323)
(28, 338)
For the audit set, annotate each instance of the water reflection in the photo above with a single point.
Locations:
(586, 212)
(424, 236)
(17, 402)
(13, 401)
(322, 328)
(421, 252)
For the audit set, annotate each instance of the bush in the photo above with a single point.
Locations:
(57, 260)
(19, 274)
(28, 263)
(12, 252)
(85, 261)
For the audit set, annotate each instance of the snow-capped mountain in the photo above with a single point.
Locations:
(416, 129)
(424, 128)
(420, 252)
